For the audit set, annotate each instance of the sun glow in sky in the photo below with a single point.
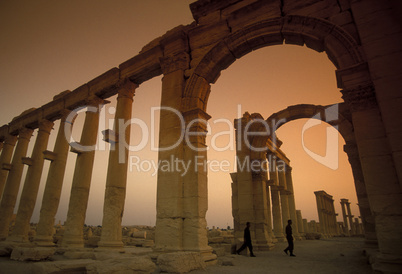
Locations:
(51, 46)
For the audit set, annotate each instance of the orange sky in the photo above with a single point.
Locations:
(51, 46)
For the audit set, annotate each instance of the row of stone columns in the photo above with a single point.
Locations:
(268, 225)
(347, 215)
(266, 203)
(11, 174)
(326, 214)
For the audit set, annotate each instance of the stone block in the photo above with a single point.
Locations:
(342, 18)
(386, 65)
(78, 255)
(314, 8)
(205, 35)
(31, 253)
(168, 232)
(215, 240)
(70, 266)
(132, 264)
(254, 13)
(77, 97)
(180, 262)
(143, 66)
(104, 85)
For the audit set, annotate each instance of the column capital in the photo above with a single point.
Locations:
(25, 133)
(10, 139)
(95, 101)
(126, 89)
(361, 97)
(45, 125)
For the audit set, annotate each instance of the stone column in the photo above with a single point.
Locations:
(305, 226)
(321, 214)
(361, 192)
(334, 218)
(259, 185)
(5, 158)
(284, 193)
(350, 216)
(269, 216)
(291, 200)
(73, 234)
(169, 201)
(380, 175)
(31, 185)
(276, 203)
(115, 193)
(195, 192)
(344, 215)
(300, 223)
(54, 182)
(13, 181)
(235, 206)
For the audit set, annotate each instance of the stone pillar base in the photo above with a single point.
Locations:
(72, 242)
(281, 239)
(264, 246)
(44, 241)
(110, 245)
(209, 257)
(17, 239)
(387, 263)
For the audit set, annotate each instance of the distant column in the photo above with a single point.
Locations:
(13, 181)
(305, 226)
(31, 185)
(276, 203)
(284, 193)
(321, 213)
(116, 180)
(300, 223)
(291, 201)
(5, 158)
(73, 234)
(54, 182)
(269, 215)
(350, 216)
(260, 201)
(345, 220)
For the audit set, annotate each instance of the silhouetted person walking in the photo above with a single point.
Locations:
(247, 241)
(289, 237)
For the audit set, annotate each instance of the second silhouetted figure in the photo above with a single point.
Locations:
(247, 241)
(289, 237)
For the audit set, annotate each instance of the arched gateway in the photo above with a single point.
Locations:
(361, 38)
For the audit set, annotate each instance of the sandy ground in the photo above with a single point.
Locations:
(336, 255)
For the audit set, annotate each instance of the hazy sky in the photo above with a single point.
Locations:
(47, 47)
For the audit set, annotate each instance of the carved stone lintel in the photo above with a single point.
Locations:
(360, 98)
(171, 63)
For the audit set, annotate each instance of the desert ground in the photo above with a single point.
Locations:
(334, 255)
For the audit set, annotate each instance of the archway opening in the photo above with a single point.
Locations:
(266, 81)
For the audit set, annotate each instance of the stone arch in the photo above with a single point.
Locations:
(335, 115)
(317, 34)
